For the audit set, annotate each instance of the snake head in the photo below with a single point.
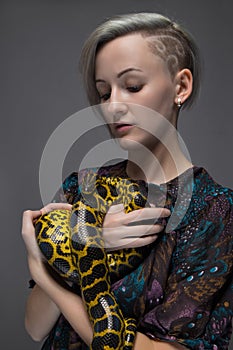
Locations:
(134, 194)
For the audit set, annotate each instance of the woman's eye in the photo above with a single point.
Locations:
(134, 88)
(105, 97)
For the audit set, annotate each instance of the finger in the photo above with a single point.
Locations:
(28, 217)
(145, 214)
(122, 233)
(116, 208)
(142, 241)
(31, 214)
(132, 243)
(55, 206)
(141, 230)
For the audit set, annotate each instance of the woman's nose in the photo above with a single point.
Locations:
(116, 110)
(117, 107)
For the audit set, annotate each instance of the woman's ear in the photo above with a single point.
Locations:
(183, 86)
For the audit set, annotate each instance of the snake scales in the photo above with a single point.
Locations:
(73, 245)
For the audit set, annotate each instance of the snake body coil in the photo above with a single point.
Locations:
(73, 245)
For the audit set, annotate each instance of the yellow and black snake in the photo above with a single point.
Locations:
(73, 245)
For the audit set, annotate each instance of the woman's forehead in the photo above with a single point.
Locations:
(129, 51)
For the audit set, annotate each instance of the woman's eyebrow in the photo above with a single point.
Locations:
(120, 74)
(128, 70)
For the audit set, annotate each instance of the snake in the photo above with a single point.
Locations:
(72, 244)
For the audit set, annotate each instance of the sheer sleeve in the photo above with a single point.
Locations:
(197, 305)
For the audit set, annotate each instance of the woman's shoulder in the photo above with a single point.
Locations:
(212, 203)
(207, 187)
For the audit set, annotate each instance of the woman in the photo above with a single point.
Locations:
(132, 65)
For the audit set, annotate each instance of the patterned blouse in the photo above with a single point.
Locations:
(183, 291)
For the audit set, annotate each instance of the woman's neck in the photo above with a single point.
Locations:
(157, 165)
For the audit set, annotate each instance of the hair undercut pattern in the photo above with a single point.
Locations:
(166, 39)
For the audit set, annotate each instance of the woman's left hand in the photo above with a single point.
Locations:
(131, 230)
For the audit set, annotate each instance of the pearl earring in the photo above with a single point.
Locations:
(179, 104)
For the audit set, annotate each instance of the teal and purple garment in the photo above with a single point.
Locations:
(183, 291)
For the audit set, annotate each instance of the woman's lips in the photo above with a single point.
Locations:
(122, 127)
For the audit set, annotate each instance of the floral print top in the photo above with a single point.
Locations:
(183, 291)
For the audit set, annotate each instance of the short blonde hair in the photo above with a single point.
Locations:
(165, 38)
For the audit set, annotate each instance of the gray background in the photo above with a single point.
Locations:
(40, 87)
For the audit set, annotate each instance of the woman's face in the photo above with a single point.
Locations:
(129, 74)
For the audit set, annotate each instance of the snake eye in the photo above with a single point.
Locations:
(139, 200)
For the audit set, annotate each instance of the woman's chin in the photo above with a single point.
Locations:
(138, 144)
(128, 144)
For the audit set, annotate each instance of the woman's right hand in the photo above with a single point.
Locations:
(35, 257)
(131, 230)
(49, 298)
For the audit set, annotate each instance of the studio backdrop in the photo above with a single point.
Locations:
(41, 87)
